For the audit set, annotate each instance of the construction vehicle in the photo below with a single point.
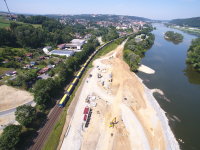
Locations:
(113, 122)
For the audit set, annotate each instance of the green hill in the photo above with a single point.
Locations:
(192, 22)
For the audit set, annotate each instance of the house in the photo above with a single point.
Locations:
(75, 44)
(140, 38)
(61, 46)
(42, 57)
(33, 63)
(43, 76)
(30, 55)
(47, 49)
(66, 53)
(10, 73)
(17, 58)
(27, 66)
(50, 66)
(43, 70)
(87, 36)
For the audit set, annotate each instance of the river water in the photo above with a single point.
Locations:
(180, 84)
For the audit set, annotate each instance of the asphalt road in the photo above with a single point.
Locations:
(5, 112)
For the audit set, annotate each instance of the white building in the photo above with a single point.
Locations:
(75, 44)
(47, 49)
(66, 53)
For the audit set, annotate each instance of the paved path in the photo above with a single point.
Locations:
(5, 112)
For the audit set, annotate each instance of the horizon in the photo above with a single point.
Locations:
(156, 10)
(46, 14)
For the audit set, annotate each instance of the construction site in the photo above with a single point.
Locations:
(115, 110)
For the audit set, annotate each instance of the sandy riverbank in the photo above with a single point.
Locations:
(146, 69)
(140, 122)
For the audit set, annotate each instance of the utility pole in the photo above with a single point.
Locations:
(8, 9)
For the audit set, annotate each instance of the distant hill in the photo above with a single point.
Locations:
(192, 22)
(99, 17)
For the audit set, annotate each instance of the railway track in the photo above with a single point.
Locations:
(44, 132)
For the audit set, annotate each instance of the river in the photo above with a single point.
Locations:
(180, 84)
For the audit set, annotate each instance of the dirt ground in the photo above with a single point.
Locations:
(7, 119)
(137, 125)
(11, 97)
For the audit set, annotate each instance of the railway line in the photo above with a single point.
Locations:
(44, 132)
(57, 109)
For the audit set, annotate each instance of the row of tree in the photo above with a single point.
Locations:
(134, 51)
(32, 19)
(193, 55)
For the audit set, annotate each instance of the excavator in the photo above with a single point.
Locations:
(113, 122)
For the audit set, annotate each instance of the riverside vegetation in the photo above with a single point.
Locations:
(193, 55)
(134, 51)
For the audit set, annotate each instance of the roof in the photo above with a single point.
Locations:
(76, 41)
(73, 44)
(61, 45)
(62, 52)
(48, 47)
(11, 72)
(29, 54)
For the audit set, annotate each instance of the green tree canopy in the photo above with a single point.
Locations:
(10, 137)
(25, 114)
(193, 55)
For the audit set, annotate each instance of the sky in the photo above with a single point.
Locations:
(152, 9)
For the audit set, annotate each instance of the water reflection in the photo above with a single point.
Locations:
(192, 75)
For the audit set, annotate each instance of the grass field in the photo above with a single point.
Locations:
(6, 23)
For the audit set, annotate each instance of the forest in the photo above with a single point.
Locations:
(192, 22)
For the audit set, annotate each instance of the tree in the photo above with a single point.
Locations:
(25, 114)
(193, 55)
(132, 59)
(10, 137)
(112, 34)
(28, 36)
(41, 97)
(7, 38)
